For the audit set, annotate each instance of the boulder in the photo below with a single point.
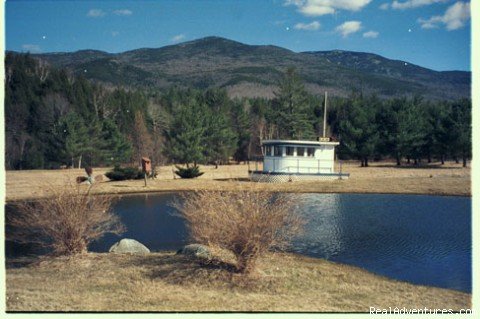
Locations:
(130, 246)
(196, 250)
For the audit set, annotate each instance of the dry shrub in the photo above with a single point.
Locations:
(66, 222)
(247, 223)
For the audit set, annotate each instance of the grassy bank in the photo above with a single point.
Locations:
(436, 179)
(169, 282)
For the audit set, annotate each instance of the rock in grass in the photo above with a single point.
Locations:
(196, 250)
(131, 246)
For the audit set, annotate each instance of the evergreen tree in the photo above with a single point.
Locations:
(291, 112)
(461, 118)
(116, 148)
(186, 140)
(71, 139)
(220, 139)
(412, 129)
(387, 121)
(241, 126)
(358, 130)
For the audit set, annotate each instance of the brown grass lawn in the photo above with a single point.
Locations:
(384, 177)
(169, 282)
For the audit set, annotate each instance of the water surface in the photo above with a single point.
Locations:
(420, 239)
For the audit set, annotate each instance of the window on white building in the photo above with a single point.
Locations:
(300, 151)
(268, 150)
(311, 152)
(290, 150)
(277, 150)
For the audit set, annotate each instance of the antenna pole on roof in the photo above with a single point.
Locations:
(325, 116)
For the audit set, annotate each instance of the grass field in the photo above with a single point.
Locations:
(169, 282)
(383, 177)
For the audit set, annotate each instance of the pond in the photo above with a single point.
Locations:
(419, 239)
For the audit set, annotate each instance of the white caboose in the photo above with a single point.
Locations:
(289, 160)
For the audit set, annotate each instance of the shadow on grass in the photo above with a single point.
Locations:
(238, 179)
(20, 262)
(179, 268)
(413, 166)
(183, 270)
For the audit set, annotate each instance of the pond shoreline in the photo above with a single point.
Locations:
(168, 191)
(381, 178)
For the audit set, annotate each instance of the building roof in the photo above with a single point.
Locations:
(297, 142)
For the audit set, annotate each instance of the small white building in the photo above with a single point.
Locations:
(289, 160)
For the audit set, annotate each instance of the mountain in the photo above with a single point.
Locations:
(254, 70)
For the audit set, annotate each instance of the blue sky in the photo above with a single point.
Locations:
(430, 33)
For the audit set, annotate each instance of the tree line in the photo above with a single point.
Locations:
(54, 119)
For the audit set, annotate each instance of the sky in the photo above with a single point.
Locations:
(430, 33)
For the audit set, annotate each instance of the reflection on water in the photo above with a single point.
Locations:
(149, 219)
(420, 239)
(322, 232)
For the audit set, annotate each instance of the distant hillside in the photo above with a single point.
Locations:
(254, 70)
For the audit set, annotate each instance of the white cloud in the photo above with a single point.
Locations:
(95, 13)
(115, 33)
(178, 38)
(349, 27)
(315, 25)
(31, 47)
(123, 12)
(409, 4)
(315, 8)
(370, 34)
(454, 18)
(312, 10)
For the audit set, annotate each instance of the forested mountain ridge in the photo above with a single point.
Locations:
(254, 70)
(54, 118)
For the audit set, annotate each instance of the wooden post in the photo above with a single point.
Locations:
(340, 169)
(146, 168)
(325, 116)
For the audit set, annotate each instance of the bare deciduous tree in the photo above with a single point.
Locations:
(141, 139)
(42, 70)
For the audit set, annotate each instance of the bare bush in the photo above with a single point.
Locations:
(247, 223)
(66, 222)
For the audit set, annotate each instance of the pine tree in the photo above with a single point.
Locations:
(461, 117)
(186, 139)
(291, 112)
(220, 139)
(71, 139)
(241, 126)
(412, 129)
(358, 130)
(115, 148)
